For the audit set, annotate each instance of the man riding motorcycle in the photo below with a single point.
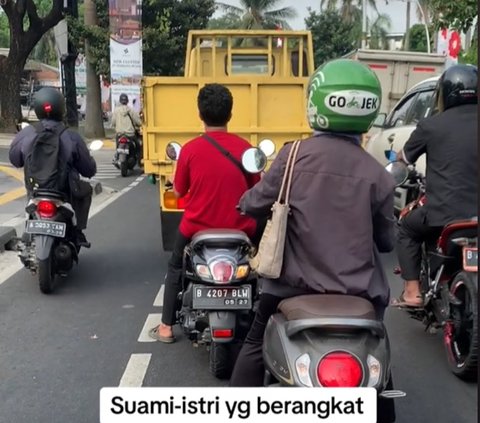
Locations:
(449, 139)
(126, 121)
(49, 106)
(341, 209)
(214, 184)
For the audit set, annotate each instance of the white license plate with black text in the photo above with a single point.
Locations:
(229, 297)
(45, 227)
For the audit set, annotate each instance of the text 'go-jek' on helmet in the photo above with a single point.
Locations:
(343, 96)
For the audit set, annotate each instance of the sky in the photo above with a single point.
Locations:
(395, 8)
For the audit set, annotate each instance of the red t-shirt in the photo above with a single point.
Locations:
(214, 185)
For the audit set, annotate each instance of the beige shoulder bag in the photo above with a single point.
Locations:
(269, 259)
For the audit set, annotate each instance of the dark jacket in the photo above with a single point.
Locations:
(450, 140)
(73, 150)
(341, 217)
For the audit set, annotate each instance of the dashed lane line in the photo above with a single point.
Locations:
(153, 319)
(135, 371)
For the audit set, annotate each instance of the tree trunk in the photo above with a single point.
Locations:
(10, 72)
(93, 118)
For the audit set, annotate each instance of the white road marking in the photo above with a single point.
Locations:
(134, 184)
(159, 298)
(135, 371)
(140, 179)
(153, 319)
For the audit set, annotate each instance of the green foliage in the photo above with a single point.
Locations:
(379, 31)
(418, 38)
(458, 14)
(97, 36)
(165, 29)
(332, 37)
(226, 21)
(4, 31)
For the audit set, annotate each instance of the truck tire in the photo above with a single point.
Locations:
(461, 336)
(220, 364)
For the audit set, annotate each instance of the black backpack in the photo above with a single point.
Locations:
(43, 168)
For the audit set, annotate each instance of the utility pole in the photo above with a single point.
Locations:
(406, 45)
(68, 72)
(364, 24)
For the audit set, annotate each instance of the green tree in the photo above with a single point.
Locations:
(26, 26)
(226, 21)
(350, 10)
(165, 30)
(458, 14)
(4, 31)
(418, 38)
(379, 31)
(258, 14)
(332, 36)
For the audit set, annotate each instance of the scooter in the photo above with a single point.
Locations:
(219, 288)
(449, 280)
(127, 155)
(48, 248)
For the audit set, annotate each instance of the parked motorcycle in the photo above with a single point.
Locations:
(48, 246)
(219, 288)
(127, 154)
(449, 280)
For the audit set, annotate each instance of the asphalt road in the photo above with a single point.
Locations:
(58, 351)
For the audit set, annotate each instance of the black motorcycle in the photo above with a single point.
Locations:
(127, 153)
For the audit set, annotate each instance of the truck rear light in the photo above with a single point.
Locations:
(222, 271)
(222, 333)
(340, 370)
(169, 200)
(46, 209)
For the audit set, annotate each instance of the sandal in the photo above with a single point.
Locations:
(153, 333)
(402, 303)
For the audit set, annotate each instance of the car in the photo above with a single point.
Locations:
(391, 132)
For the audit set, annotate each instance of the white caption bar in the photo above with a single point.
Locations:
(220, 405)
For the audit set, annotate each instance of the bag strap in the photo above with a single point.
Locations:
(131, 120)
(226, 153)
(295, 146)
(286, 180)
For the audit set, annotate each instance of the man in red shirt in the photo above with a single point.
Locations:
(214, 183)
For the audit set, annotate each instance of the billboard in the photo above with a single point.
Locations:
(126, 50)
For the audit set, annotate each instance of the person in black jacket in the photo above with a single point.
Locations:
(50, 109)
(449, 140)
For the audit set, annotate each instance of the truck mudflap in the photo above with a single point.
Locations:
(170, 222)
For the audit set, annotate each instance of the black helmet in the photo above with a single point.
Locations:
(49, 104)
(123, 98)
(457, 86)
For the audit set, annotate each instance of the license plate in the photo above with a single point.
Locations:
(470, 259)
(121, 150)
(45, 227)
(207, 297)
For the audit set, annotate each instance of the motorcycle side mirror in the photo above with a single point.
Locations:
(173, 150)
(399, 171)
(267, 146)
(95, 145)
(391, 155)
(254, 160)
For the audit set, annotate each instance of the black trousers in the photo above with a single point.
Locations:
(249, 369)
(173, 280)
(413, 231)
(81, 204)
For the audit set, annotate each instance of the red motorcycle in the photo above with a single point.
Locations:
(449, 280)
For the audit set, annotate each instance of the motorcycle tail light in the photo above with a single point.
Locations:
(123, 140)
(340, 370)
(222, 333)
(222, 271)
(302, 365)
(374, 371)
(46, 209)
(203, 271)
(242, 271)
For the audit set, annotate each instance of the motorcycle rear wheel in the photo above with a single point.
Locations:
(461, 339)
(46, 275)
(220, 363)
(124, 168)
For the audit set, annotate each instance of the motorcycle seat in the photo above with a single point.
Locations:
(326, 305)
(219, 236)
(56, 195)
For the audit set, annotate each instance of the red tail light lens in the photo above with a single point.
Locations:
(46, 209)
(339, 369)
(222, 333)
(222, 271)
(123, 140)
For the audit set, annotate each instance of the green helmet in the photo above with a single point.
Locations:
(343, 96)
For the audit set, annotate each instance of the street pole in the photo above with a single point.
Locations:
(426, 25)
(406, 45)
(68, 65)
(364, 24)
